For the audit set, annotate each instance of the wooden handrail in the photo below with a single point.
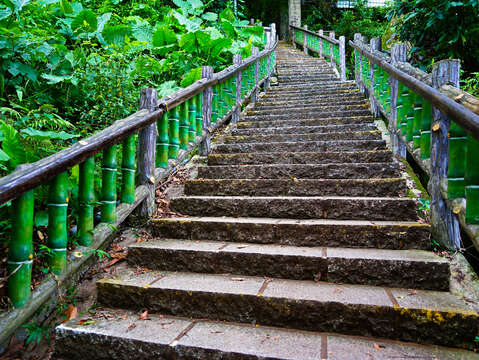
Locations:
(331, 40)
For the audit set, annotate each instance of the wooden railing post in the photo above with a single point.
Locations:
(332, 35)
(342, 57)
(305, 41)
(398, 54)
(321, 32)
(254, 94)
(357, 64)
(375, 44)
(273, 34)
(293, 36)
(444, 224)
(237, 60)
(146, 153)
(205, 146)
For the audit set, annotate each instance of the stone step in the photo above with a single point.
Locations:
(301, 171)
(328, 136)
(417, 316)
(265, 100)
(420, 269)
(304, 129)
(313, 89)
(309, 110)
(167, 337)
(301, 158)
(294, 187)
(296, 207)
(253, 123)
(313, 95)
(331, 112)
(314, 103)
(304, 146)
(319, 232)
(306, 80)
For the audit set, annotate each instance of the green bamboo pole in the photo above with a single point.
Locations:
(162, 142)
(214, 104)
(426, 130)
(20, 250)
(199, 114)
(86, 199)
(457, 161)
(184, 125)
(108, 189)
(57, 223)
(410, 116)
(174, 133)
(192, 119)
(417, 122)
(472, 181)
(128, 167)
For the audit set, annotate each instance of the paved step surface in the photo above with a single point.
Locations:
(293, 239)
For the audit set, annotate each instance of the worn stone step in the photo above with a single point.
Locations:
(303, 146)
(319, 232)
(301, 171)
(328, 136)
(296, 207)
(310, 110)
(420, 316)
(418, 269)
(253, 123)
(307, 104)
(168, 337)
(265, 100)
(307, 80)
(314, 89)
(304, 129)
(297, 187)
(300, 158)
(323, 114)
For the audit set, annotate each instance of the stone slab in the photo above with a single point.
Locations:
(304, 129)
(253, 123)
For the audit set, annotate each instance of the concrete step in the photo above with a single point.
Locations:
(304, 129)
(309, 110)
(419, 269)
(304, 146)
(266, 100)
(301, 158)
(319, 232)
(296, 207)
(297, 187)
(420, 316)
(168, 337)
(328, 136)
(253, 123)
(287, 91)
(301, 171)
(323, 114)
(312, 103)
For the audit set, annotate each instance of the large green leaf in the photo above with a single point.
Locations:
(40, 134)
(16, 68)
(143, 32)
(167, 88)
(55, 79)
(5, 12)
(4, 156)
(11, 145)
(228, 28)
(66, 7)
(227, 14)
(191, 77)
(164, 36)
(18, 4)
(191, 23)
(85, 21)
(195, 41)
(209, 16)
(116, 34)
(218, 46)
(252, 30)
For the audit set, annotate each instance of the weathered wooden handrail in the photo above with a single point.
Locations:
(324, 46)
(177, 122)
(433, 120)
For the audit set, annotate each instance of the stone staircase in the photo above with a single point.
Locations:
(298, 242)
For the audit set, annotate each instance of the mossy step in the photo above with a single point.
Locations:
(297, 187)
(304, 129)
(301, 157)
(327, 136)
(304, 146)
(319, 232)
(297, 207)
(168, 337)
(301, 171)
(420, 269)
(421, 316)
(254, 123)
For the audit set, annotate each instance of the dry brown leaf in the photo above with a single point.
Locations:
(144, 316)
(378, 347)
(124, 316)
(337, 291)
(71, 312)
(131, 327)
(237, 279)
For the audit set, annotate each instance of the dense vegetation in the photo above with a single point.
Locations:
(69, 69)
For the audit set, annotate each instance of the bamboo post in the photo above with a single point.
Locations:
(20, 250)
(192, 120)
(444, 224)
(425, 140)
(398, 54)
(205, 146)
(254, 95)
(57, 223)
(236, 115)
(108, 185)
(305, 40)
(471, 180)
(375, 44)
(128, 169)
(174, 133)
(199, 114)
(321, 33)
(86, 200)
(184, 125)
(162, 145)
(342, 57)
(146, 153)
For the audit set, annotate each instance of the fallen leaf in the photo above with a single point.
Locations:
(436, 127)
(110, 263)
(77, 254)
(131, 327)
(40, 235)
(237, 279)
(71, 312)
(217, 332)
(124, 316)
(337, 291)
(144, 316)
(378, 347)
(86, 322)
(242, 246)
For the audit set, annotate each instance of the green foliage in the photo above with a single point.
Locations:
(36, 333)
(471, 84)
(100, 254)
(439, 29)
